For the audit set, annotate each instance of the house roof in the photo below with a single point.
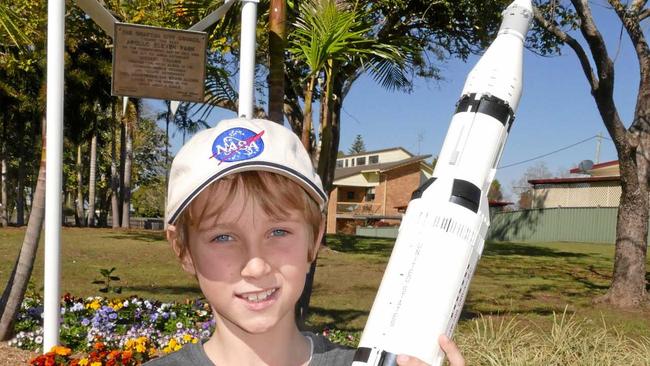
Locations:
(376, 152)
(574, 180)
(596, 166)
(500, 203)
(341, 173)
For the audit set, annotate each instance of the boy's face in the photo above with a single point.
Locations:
(250, 266)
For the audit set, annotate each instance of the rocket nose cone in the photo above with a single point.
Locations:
(525, 4)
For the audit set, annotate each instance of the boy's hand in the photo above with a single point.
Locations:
(447, 345)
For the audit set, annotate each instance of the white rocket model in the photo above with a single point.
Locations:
(443, 231)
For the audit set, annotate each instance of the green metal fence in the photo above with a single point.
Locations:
(577, 224)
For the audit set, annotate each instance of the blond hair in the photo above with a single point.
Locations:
(276, 194)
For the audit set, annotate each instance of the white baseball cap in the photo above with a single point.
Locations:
(233, 146)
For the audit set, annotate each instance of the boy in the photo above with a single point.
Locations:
(245, 214)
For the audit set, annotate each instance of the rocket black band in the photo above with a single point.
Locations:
(490, 105)
(387, 359)
(362, 354)
(418, 192)
(466, 194)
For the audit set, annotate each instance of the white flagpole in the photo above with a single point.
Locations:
(247, 59)
(53, 169)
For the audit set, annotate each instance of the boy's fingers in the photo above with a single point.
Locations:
(451, 350)
(404, 360)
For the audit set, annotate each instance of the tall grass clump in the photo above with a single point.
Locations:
(569, 341)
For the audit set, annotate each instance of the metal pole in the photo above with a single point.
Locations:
(53, 169)
(247, 58)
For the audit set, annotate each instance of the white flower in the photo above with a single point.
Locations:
(38, 340)
(179, 325)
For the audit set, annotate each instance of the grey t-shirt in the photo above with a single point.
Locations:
(325, 353)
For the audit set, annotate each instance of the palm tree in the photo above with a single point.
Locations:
(330, 34)
(185, 124)
(277, 45)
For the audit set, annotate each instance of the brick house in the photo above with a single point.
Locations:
(599, 186)
(374, 187)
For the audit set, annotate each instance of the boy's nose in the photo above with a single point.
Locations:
(256, 267)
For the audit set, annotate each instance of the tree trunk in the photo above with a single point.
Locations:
(277, 45)
(330, 131)
(14, 293)
(20, 194)
(628, 288)
(79, 202)
(4, 220)
(92, 181)
(307, 122)
(115, 177)
(302, 306)
(129, 123)
(123, 133)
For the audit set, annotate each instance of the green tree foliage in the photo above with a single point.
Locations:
(357, 146)
(149, 200)
(495, 194)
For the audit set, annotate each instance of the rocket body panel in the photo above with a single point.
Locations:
(415, 292)
(443, 231)
(471, 153)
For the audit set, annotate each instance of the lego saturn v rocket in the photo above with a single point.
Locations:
(442, 234)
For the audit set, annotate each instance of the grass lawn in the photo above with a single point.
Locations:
(529, 281)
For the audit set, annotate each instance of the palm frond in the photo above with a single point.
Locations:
(219, 92)
(9, 25)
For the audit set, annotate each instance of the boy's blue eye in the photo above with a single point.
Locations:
(222, 238)
(279, 232)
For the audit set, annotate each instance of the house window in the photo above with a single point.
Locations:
(361, 161)
(351, 162)
(346, 163)
(339, 163)
(370, 194)
(373, 159)
(350, 195)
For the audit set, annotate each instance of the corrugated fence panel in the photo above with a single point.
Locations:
(378, 232)
(578, 224)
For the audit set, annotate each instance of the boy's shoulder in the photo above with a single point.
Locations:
(327, 353)
(191, 354)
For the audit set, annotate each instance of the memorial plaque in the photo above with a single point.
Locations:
(160, 63)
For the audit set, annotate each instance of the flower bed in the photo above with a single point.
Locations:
(97, 331)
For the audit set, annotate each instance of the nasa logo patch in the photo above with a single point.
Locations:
(237, 144)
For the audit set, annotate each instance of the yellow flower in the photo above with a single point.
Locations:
(140, 348)
(172, 343)
(96, 363)
(83, 362)
(187, 338)
(94, 304)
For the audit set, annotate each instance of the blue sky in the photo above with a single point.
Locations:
(556, 109)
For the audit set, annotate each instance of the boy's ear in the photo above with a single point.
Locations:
(183, 255)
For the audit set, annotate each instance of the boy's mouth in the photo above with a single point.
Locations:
(259, 296)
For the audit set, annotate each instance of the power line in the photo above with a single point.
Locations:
(550, 153)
